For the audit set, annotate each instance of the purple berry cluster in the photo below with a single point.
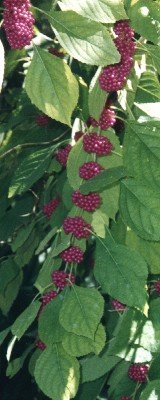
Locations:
(40, 345)
(61, 279)
(157, 287)
(62, 155)
(72, 255)
(77, 226)
(88, 202)
(89, 170)
(50, 207)
(18, 23)
(138, 372)
(107, 119)
(98, 144)
(118, 306)
(113, 77)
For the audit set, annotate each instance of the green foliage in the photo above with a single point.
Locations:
(121, 271)
(11, 279)
(23, 322)
(85, 40)
(43, 92)
(82, 311)
(64, 371)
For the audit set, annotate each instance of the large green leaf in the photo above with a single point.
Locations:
(31, 168)
(57, 373)
(147, 97)
(97, 366)
(50, 331)
(149, 250)
(140, 209)
(154, 52)
(121, 272)
(142, 152)
(90, 390)
(145, 19)
(51, 86)
(105, 11)
(82, 311)
(110, 201)
(97, 96)
(152, 391)
(78, 346)
(11, 279)
(86, 40)
(23, 322)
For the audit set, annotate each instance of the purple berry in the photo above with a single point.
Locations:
(157, 287)
(89, 202)
(98, 144)
(117, 305)
(138, 372)
(72, 255)
(89, 170)
(40, 345)
(42, 119)
(77, 226)
(60, 279)
(62, 155)
(49, 208)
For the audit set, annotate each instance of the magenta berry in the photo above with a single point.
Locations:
(18, 23)
(72, 255)
(78, 135)
(138, 372)
(157, 287)
(98, 144)
(77, 226)
(42, 119)
(92, 121)
(61, 279)
(40, 345)
(62, 155)
(89, 170)
(47, 297)
(117, 305)
(89, 202)
(50, 207)
(107, 119)
(125, 398)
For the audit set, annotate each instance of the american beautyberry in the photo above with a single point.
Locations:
(72, 254)
(157, 287)
(49, 296)
(40, 345)
(62, 155)
(98, 144)
(107, 119)
(89, 202)
(49, 208)
(42, 119)
(138, 372)
(61, 279)
(89, 170)
(117, 305)
(78, 135)
(18, 23)
(77, 226)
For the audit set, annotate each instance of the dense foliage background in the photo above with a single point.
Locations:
(109, 320)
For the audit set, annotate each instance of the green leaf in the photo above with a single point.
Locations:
(77, 157)
(22, 236)
(90, 390)
(145, 19)
(15, 365)
(65, 241)
(97, 96)
(140, 209)
(55, 91)
(154, 312)
(99, 223)
(11, 279)
(103, 180)
(121, 272)
(3, 335)
(86, 40)
(148, 88)
(45, 241)
(49, 265)
(82, 311)
(26, 251)
(97, 366)
(31, 168)
(149, 250)
(50, 331)
(105, 11)
(154, 52)
(152, 391)
(142, 152)
(23, 322)
(114, 159)
(57, 373)
(110, 201)
(78, 346)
